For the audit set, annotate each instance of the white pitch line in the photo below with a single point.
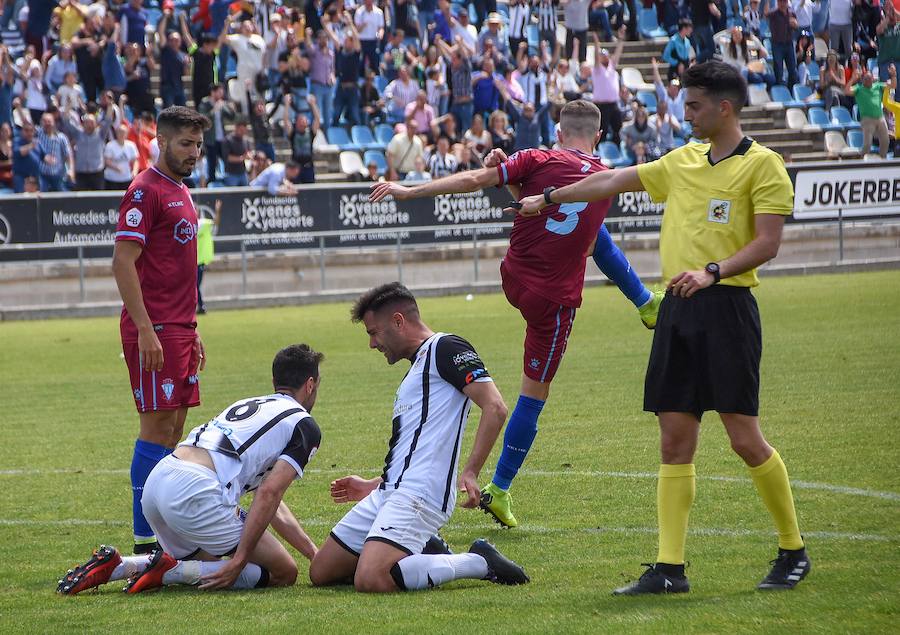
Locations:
(528, 529)
(808, 485)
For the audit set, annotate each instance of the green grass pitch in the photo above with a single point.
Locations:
(586, 499)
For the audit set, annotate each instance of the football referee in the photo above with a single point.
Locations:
(726, 202)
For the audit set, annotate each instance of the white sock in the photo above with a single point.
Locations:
(423, 571)
(192, 571)
(130, 567)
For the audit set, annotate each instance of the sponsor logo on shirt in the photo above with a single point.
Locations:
(133, 217)
(175, 204)
(719, 211)
(185, 231)
(168, 388)
(460, 359)
(475, 374)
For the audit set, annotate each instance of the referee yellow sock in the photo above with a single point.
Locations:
(674, 498)
(771, 480)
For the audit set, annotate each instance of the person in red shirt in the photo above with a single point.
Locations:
(155, 268)
(543, 271)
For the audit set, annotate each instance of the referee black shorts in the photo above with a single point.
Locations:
(706, 353)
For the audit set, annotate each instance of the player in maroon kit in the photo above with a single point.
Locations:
(543, 271)
(155, 267)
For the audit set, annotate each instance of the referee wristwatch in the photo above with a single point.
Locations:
(547, 192)
(712, 268)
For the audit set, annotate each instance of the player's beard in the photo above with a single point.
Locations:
(182, 168)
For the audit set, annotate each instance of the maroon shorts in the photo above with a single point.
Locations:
(547, 328)
(177, 385)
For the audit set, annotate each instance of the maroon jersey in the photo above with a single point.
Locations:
(158, 213)
(547, 252)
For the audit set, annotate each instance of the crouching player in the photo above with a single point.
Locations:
(378, 544)
(191, 497)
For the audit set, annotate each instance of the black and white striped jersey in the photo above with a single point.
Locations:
(519, 17)
(247, 438)
(546, 12)
(430, 412)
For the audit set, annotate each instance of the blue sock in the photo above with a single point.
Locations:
(520, 432)
(615, 266)
(146, 456)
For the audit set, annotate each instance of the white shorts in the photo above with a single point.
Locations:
(184, 505)
(391, 516)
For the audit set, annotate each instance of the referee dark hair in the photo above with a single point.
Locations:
(726, 201)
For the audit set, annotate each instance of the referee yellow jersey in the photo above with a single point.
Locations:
(710, 208)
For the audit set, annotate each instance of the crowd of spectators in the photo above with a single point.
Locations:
(81, 83)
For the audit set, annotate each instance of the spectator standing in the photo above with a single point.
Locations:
(70, 96)
(501, 137)
(133, 21)
(443, 24)
(120, 158)
(348, 67)
(403, 150)
(702, 13)
(6, 156)
(667, 128)
(782, 22)
(679, 52)
(528, 125)
(671, 93)
(218, 111)
(425, 15)
(639, 137)
(88, 141)
(534, 89)
(865, 18)
(250, 50)
(840, 27)
(606, 87)
(460, 82)
(421, 111)
(546, 17)
(237, 152)
(464, 29)
(60, 64)
(55, 152)
(262, 129)
(441, 163)
(203, 66)
(87, 45)
(35, 97)
(143, 134)
(804, 9)
(485, 93)
(371, 104)
(71, 15)
(7, 86)
(370, 24)
(888, 31)
(278, 178)
(137, 74)
(37, 23)
(398, 94)
(322, 72)
(173, 63)
(301, 136)
(832, 81)
(477, 137)
(869, 95)
(737, 52)
(752, 16)
(575, 13)
(26, 158)
(206, 248)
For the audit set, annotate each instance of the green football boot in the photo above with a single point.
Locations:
(650, 311)
(497, 502)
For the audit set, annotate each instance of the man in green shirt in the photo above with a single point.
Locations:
(205, 248)
(868, 95)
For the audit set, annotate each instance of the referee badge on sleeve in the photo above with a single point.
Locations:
(719, 211)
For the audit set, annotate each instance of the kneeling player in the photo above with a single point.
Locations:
(378, 543)
(191, 497)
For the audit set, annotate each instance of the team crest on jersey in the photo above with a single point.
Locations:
(168, 388)
(137, 196)
(138, 394)
(535, 363)
(185, 231)
(133, 217)
(719, 211)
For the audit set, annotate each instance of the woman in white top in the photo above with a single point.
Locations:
(746, 53)
(479, 138)
(35, 98)
(70, 96)
(120, 157)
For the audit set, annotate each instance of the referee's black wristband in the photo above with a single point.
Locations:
(547, 191)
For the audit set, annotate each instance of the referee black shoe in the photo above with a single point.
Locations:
(501, 570)
(657, 579)
(788, 569)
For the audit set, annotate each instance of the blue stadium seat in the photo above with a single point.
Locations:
(384, 133)
(609, 152)
(813, 72)
(803, 94)
(648, 98)
(855, 140)
(362, 136)
(782, 95)
(648, 24)
(378, 157)
(154, 15)
(380, 83)
(841, 116)
(339, 137)
(818, 117)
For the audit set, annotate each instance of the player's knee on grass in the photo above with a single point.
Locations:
(372, 580)
(285, 574)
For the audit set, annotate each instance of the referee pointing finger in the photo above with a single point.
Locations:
(726, 201)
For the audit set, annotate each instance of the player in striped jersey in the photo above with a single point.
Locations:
(191, 497)
(379, 542)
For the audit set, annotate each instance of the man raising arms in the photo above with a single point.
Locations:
(543, 271)
(726, 202)
(155, 267)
